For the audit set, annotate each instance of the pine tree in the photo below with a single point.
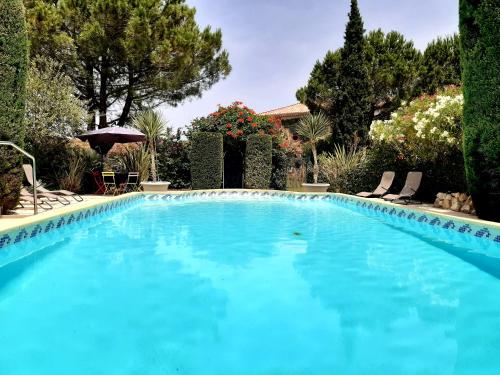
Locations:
(440, 65)
(353, 109)
(126, 55)
(393, 66)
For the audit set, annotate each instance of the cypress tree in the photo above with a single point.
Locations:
(13, 72)
(480, 55)
(353, 111)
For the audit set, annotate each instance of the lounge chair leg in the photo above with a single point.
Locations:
(77, 197)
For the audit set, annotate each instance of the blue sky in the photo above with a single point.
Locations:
(273, 44)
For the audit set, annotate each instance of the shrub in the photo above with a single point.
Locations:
(441, 175)
(206, 160)
(235, 122)
(336, 167)
(78, 161)
(424, 135)
(173, 161)
(480, 32)
(52, 109)
(258, 162)
(13, 69)
(135, 159)
(279, 174)
(426, 128)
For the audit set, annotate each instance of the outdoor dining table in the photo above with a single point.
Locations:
(120, 178)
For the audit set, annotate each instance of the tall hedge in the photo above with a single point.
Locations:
(279, 172)
(258, 161)
(13, 72)
(480, 56)
(206, 160)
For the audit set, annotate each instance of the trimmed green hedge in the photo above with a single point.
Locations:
(206, 160)
(479, 35)
(280, 170)
(258, 161)
(13, 72)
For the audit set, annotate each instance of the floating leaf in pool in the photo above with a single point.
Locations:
(296, 234)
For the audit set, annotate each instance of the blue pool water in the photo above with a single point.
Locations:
(248, 287)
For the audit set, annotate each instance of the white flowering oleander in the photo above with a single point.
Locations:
(427, 125)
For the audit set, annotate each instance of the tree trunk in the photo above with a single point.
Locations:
(90, 96)
(154, 177)
(315, 160)
(103, 96)
(128, 100)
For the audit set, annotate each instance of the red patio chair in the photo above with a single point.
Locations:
(101, 189)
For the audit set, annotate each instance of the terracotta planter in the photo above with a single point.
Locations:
(155, 187)
(315, 188)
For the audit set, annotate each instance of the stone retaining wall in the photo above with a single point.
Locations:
(459, 202)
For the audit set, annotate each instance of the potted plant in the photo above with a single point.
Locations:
(152, 126)
(313, 129)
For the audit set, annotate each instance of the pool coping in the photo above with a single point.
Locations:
(19, 229)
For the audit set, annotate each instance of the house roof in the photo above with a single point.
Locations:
(293, 111)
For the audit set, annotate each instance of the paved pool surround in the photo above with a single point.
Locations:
(14, 231)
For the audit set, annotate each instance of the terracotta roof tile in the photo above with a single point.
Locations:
(297, 110)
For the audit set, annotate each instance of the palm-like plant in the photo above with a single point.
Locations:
(313, 129)
(152, 125)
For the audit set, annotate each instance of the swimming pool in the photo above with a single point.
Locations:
(250, 285)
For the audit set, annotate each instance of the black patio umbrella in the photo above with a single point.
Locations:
(103, 139)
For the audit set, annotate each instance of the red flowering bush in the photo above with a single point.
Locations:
(236, 122)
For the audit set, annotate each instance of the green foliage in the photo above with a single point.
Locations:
(279, 174)
(206, 160)
(423, 135)
(321, 90)
(128, 54)
(153, 127)
(443, 175)
(13, 72)
(62, 164)
(258, 161)
(136, 159)
(78, 160)
(480, 33)
(173, 160)
(235, 122)
(312, 129)
(426, 128)
(392, 69)
(335, 166)
(52, 109)
(440, 65)
(353, 105)
(391, 63)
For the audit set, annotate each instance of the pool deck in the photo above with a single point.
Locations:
(24, 216)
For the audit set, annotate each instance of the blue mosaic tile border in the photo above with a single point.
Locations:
(371, 208)
(50, 225)
(375, 209)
